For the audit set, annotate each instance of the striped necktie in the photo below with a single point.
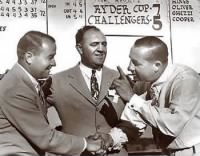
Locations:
(153, 96)
(94, 85)
(42, 97)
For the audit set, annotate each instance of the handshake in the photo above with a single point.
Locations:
(101, 143)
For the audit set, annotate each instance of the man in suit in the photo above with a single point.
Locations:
(84, 107)
(172, 104)
(24, 128)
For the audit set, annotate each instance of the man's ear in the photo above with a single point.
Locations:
(157, 64)
(28, 57)
(79, 48)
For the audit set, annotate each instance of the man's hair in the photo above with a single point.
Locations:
(32, 41)
(80, 33)
(157, 47)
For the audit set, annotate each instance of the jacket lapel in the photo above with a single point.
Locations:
(78, 83)
(23, 76)
(106, 82)
(26, 80)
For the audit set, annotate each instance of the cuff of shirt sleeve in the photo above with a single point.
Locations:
(118, 136)
(135, 102)
(134, 118)
(85, 144)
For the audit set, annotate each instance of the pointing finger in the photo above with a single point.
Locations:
(121, 72)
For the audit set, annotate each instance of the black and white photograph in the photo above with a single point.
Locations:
(99, 78)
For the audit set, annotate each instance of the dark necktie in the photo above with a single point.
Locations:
(41, 95)
(94, 86)
(42, 99)
(45, 86)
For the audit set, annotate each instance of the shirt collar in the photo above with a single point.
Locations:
(88, 71)
(165, 75)
(33, 80)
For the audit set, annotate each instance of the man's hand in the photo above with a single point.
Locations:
(103, 139)
(107, 140)
(122, 86)
(94, 143)
(119, 138)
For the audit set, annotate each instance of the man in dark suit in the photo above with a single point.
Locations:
(172, 105)
(81, 94)
(24, 128)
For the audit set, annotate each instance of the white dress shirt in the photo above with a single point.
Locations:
(87, 73)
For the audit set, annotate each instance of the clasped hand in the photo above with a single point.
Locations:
(99, 143)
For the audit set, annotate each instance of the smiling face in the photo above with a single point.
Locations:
(43, 61)
(93, 49)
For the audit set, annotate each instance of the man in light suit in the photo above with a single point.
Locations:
(71, 93)
(24, 128)
(172, 104)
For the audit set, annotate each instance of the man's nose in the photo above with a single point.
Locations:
(53, 62)
(101, 47)
(131, 66)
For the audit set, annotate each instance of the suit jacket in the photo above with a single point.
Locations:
(80, 114)
(24, 129)
(176, 120)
